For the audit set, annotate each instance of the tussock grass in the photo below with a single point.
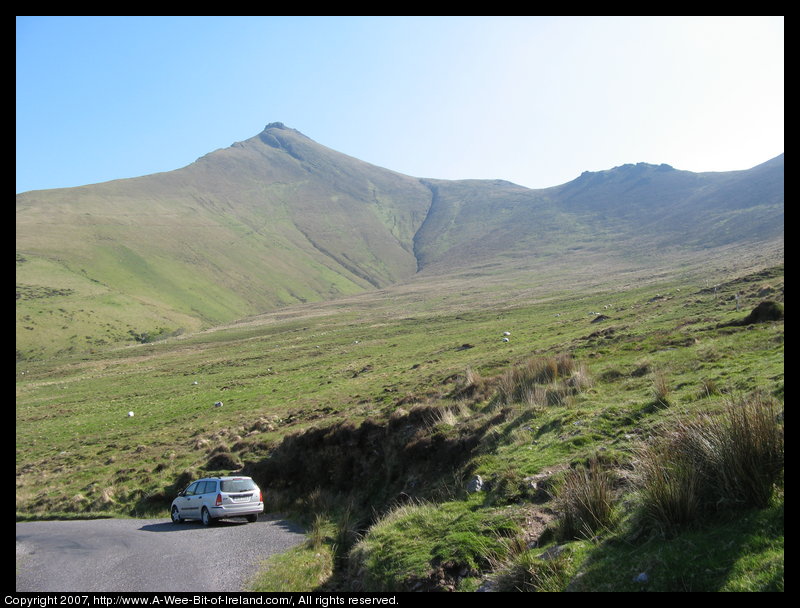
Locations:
(472, 377)
(318, 532)
(670, 483)
(336, 524)
(746, 449)
(709, 388)
(712, 463)
(660, 388)
(534, 571)
(348, 529)
(449, 415)
(586, 500)
(542, 382)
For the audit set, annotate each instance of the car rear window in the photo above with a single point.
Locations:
(237, 485)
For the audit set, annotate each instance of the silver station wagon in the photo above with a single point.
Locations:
(213, 498)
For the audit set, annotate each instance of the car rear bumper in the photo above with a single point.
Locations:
(237, 510)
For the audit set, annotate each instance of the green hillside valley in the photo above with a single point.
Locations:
(279, 219)
(454, 385)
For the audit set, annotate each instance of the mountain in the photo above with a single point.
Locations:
(632, 210)
(274, 220)
(279, 219)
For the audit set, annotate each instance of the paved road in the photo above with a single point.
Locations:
(146, 554)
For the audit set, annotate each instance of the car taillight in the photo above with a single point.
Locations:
(260, 496)
(219, 500)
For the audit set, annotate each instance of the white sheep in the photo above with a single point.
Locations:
(218, 404)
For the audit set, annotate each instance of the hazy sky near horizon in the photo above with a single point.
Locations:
(532, 100)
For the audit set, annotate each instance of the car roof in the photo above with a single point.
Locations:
(225, 478)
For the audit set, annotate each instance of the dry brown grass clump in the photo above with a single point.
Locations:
(543, 381)
(660, 389)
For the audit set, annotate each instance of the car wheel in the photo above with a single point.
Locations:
(206, 518)
(176, 516)
(252, 518)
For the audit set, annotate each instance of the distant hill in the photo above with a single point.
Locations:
(279, 219)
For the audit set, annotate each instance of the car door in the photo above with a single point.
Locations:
(188, 501)
(207, 492)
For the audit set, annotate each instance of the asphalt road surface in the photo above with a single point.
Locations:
(133, 555)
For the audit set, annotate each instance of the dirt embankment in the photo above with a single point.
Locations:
(376, 462)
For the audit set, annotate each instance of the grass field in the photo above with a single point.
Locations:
(367, 417)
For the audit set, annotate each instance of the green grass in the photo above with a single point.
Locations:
(741, 553)
(405, 396)
(299, 569)
(425, 546)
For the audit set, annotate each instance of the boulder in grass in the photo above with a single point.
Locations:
(475, 484)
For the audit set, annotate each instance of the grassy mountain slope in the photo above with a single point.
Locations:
(491, 226)
(629, 214)
(279, 219)
(274, 220)
(671, 207)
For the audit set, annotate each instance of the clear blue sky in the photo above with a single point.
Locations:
(533, 100)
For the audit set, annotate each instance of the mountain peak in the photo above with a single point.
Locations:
(277, 135)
